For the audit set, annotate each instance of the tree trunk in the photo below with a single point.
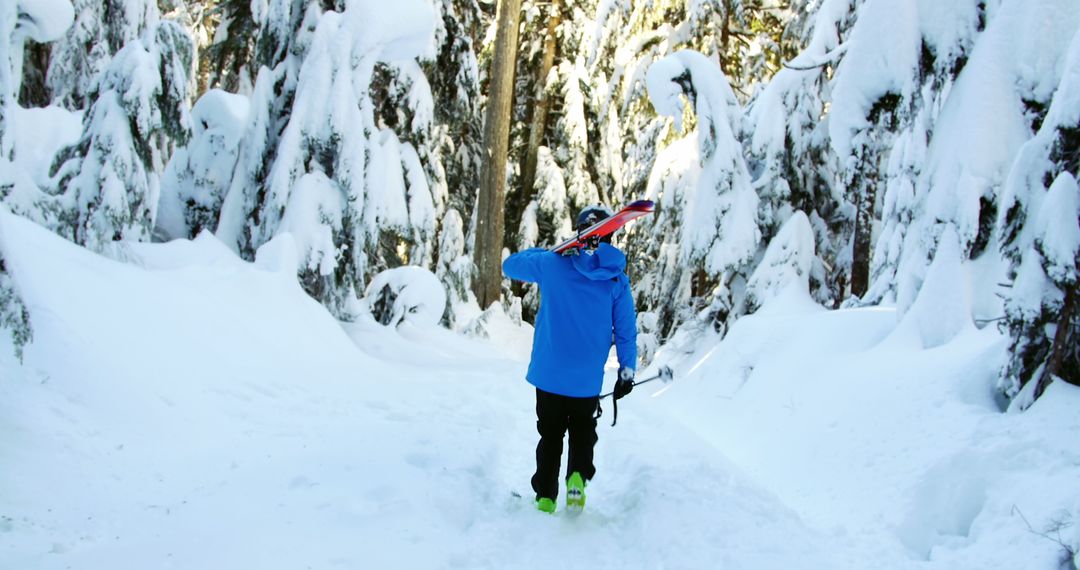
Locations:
(1060, 345)
(489, 221)
(870, 157)
(34, 92)
(861, 243)
(538, 126)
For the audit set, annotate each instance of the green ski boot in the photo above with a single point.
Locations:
(575, 493)
(545, 504)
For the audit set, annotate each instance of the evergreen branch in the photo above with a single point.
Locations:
(830, 57)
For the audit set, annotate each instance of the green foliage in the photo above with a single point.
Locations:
(13, 314)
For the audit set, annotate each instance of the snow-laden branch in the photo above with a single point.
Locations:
(826, 59)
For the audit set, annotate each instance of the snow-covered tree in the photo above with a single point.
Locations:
(101, 29)
(949, 31)
(285, 30)
(1039, 225)
(21, 21)
(454, 77)
(110, 179)
(39, 21)
(315, 162)
(194, 183)
(14, 318)
(979, 129)
(789, 152)
(454, 269)
(548, 217)
(546, 220)
(226, 32)
(403, 100)
(705, 234)
(873, 81)
(572, 136)
(787, 262)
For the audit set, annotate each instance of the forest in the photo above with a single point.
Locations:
(919, 154)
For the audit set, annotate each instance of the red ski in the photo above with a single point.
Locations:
(632, 211)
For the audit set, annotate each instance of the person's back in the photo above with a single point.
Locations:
(585, 306)
(585, 299)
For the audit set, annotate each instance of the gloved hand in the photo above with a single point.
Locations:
(625, 384)
(571, 252)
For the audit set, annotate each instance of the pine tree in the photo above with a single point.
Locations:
(226, 61)
(101, 29)
(110, 180)
(14, 317)
(705, 234)
(351, 192)
(787, 263)
(454, 269)
(285, 30)
(788, 147)
(1039, 225)
(941, 59)
(454, 77)
(195, 181)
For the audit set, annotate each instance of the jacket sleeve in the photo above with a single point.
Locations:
(624, 318)
(526, 265)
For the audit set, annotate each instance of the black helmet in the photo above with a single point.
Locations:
(589, 215)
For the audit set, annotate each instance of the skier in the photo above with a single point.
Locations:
(585, 306)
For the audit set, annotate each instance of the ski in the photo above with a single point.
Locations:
(632, 211)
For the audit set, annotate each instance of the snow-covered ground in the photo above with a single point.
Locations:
(186, 409)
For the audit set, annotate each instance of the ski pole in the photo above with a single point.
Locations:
(665, 374)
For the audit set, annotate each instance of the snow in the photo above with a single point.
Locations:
(943, 306)
(882, 58)
(720, 205)
(312, 217)
(201, 171)
(38, 134)
(786, 262)
(948, 27)
(1059, 219)
(418, 296)
(190, 409)
(180, 407)
(45, 20)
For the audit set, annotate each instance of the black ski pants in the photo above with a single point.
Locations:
(555, 416)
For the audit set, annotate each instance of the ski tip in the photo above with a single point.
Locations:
(641, 206)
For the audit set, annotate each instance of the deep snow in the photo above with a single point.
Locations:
(187, 409)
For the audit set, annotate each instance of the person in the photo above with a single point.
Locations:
(585, 306)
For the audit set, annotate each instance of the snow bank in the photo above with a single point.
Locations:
(902, 449)
(943, 307)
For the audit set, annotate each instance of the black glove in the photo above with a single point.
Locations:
(625, 384)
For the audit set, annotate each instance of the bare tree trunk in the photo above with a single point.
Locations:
(489, 221)
(861, 244)
(540, 112)
(870, 157)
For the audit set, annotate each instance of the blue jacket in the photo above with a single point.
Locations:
(585, 305)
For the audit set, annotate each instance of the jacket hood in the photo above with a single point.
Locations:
(605, 262)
